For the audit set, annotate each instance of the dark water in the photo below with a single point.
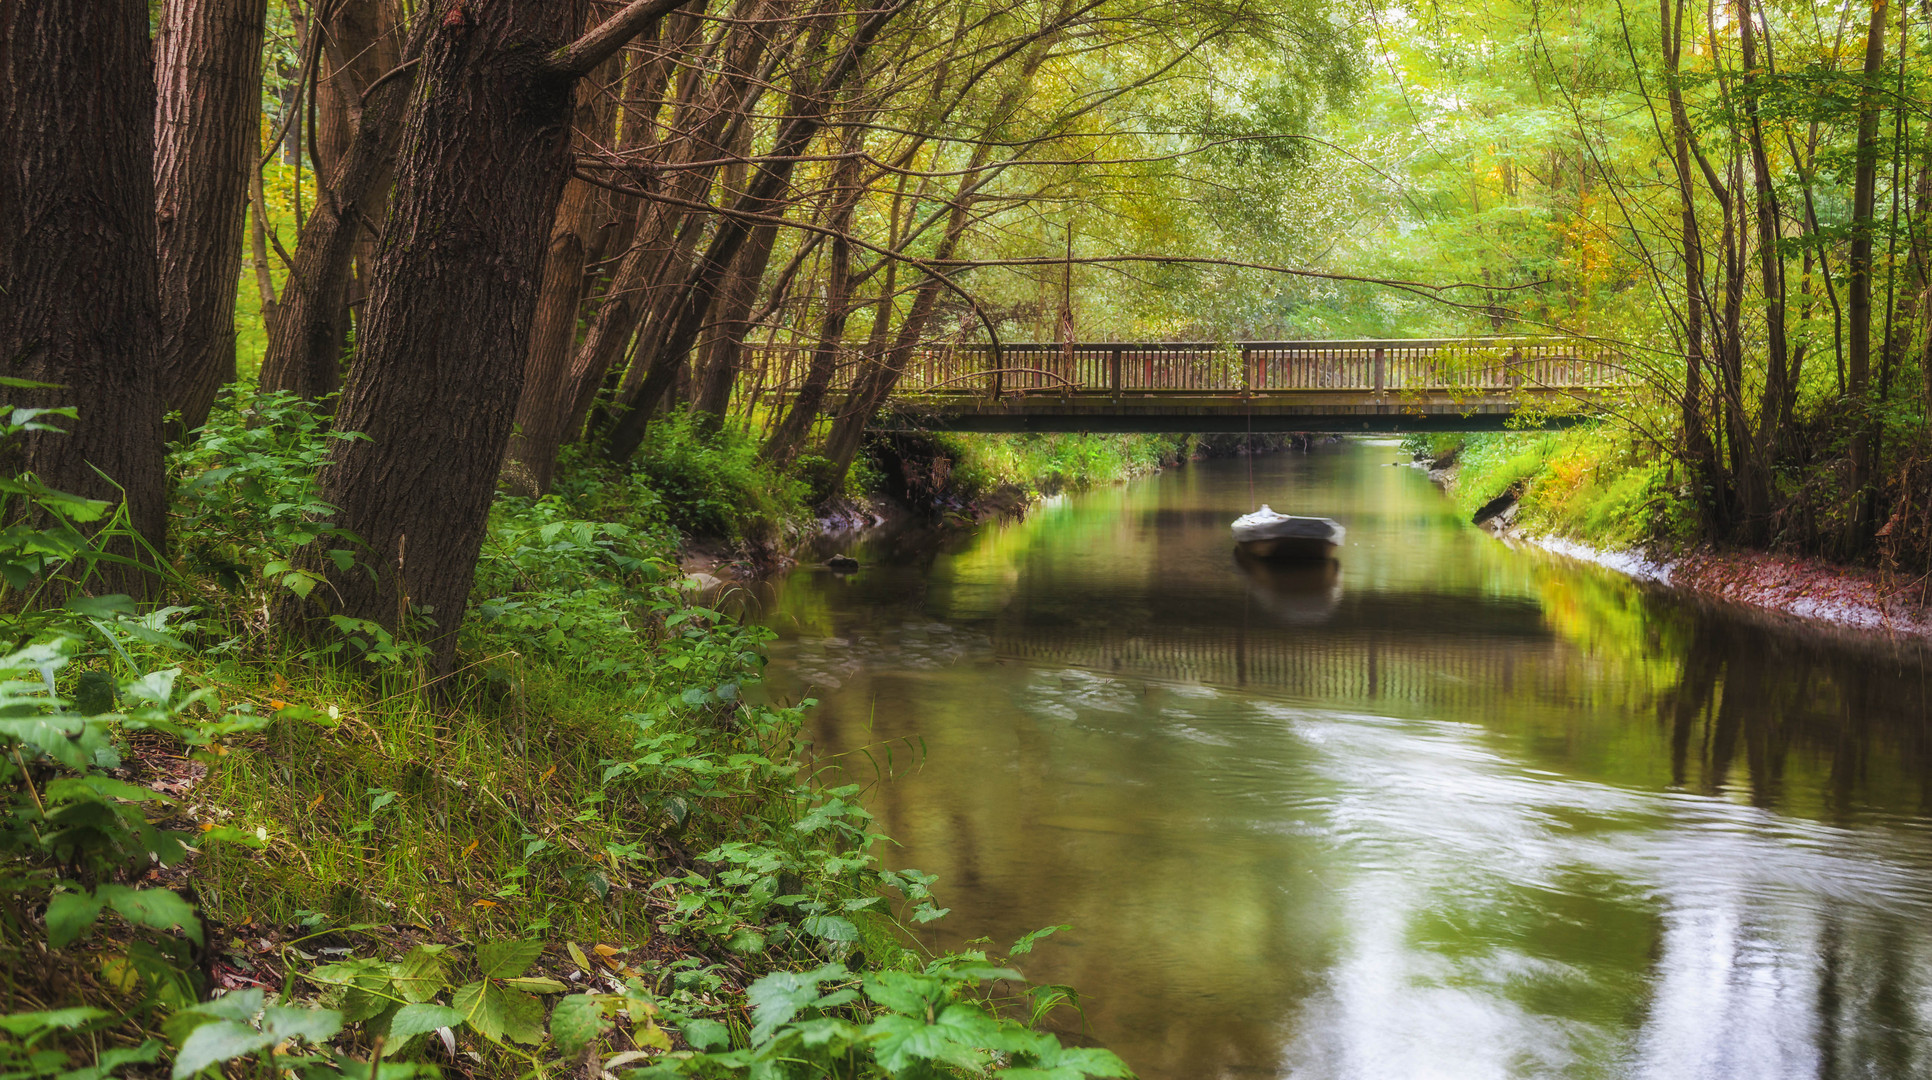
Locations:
(1453, 810)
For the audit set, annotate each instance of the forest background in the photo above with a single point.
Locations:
(366, 356)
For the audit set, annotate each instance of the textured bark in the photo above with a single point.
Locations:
(208, 96)
(441, 362)
(544, 406)
(305, 340)
(77, 257)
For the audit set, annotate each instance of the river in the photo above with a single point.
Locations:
(1450, 809)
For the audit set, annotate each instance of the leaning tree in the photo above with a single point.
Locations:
(441, 352)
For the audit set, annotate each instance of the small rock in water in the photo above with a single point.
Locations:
(842, 562)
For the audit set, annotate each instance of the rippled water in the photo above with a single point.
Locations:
(1447, 810)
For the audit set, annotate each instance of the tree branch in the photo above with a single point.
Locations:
(581, 57)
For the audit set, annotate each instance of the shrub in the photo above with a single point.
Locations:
(715, 484)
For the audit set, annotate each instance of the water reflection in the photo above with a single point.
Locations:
(1441, 809)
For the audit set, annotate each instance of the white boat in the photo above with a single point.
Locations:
(1265, 534)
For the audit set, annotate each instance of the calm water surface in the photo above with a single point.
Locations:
(1449, 810)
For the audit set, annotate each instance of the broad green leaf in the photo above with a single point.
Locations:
(422, 975)
(498, 1014)
(214, 1043)
(705, 1034)
(159, 909)
(778, 997)
(830, 928)
(24, 1024)
(240, 1005)
(507, 959)
(415, 1019)
(577, 1021)
(954, 1038)
(315, 1026)
(69, 915)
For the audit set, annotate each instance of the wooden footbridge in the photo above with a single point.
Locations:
(1453, 384)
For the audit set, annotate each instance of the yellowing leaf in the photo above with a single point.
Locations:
(472, 847)
(317, 801)
(577, 955)
(547, 774)
(606, 950)
(277, 704)
(650, 1035)
(484, 904)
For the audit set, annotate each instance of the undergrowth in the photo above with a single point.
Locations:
(587, 852)
(1588, 483)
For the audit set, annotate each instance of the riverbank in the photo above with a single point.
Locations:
(936, 480)
(586, 849)
(1504, 483)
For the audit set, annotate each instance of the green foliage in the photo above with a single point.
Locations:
(715, 484)
(1050, 463)
(245, 499)
(1587, 483)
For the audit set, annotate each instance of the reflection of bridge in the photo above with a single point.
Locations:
(1371, 385)
(1311, 664)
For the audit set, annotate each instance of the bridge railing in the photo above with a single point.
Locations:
(1444, 365)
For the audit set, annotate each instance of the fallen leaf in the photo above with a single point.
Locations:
(484, 904)
(317, 801)
(472, 847)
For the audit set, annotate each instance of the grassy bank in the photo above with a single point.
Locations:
(585, 851)
(1590, 483)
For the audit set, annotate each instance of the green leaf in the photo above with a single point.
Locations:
(214, 1043)
(830, 928)
(315, 1026)
(157, 909)
(577, 1021)
(778, 997)
(705, 1034)
(145, 1054)
(25, 1024)
(507, 959)
(954, 1038)
(69, 915)
(498, 1014)
(241, 1005)
(422, 975)
(415, 1019)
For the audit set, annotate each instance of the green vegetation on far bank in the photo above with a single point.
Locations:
(1584, 483)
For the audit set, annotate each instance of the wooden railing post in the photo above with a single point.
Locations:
(1381, 356)
(999, 375)
(1113, 371)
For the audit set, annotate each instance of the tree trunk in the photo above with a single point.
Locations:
(442, 361)
(544, 406)
(1858, 287)
(789, 437)
(208, 82)
(305, 341)
(1755, 484)
(78, 303)
(730, 322)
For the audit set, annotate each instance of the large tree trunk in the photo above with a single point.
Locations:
(544, 406)
(1755, 483)
(441, 363)
(1697, 440)
(77, 265)
(305, 340)
(208, 96)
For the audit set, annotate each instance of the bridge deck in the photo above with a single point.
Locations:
(1366, 385)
